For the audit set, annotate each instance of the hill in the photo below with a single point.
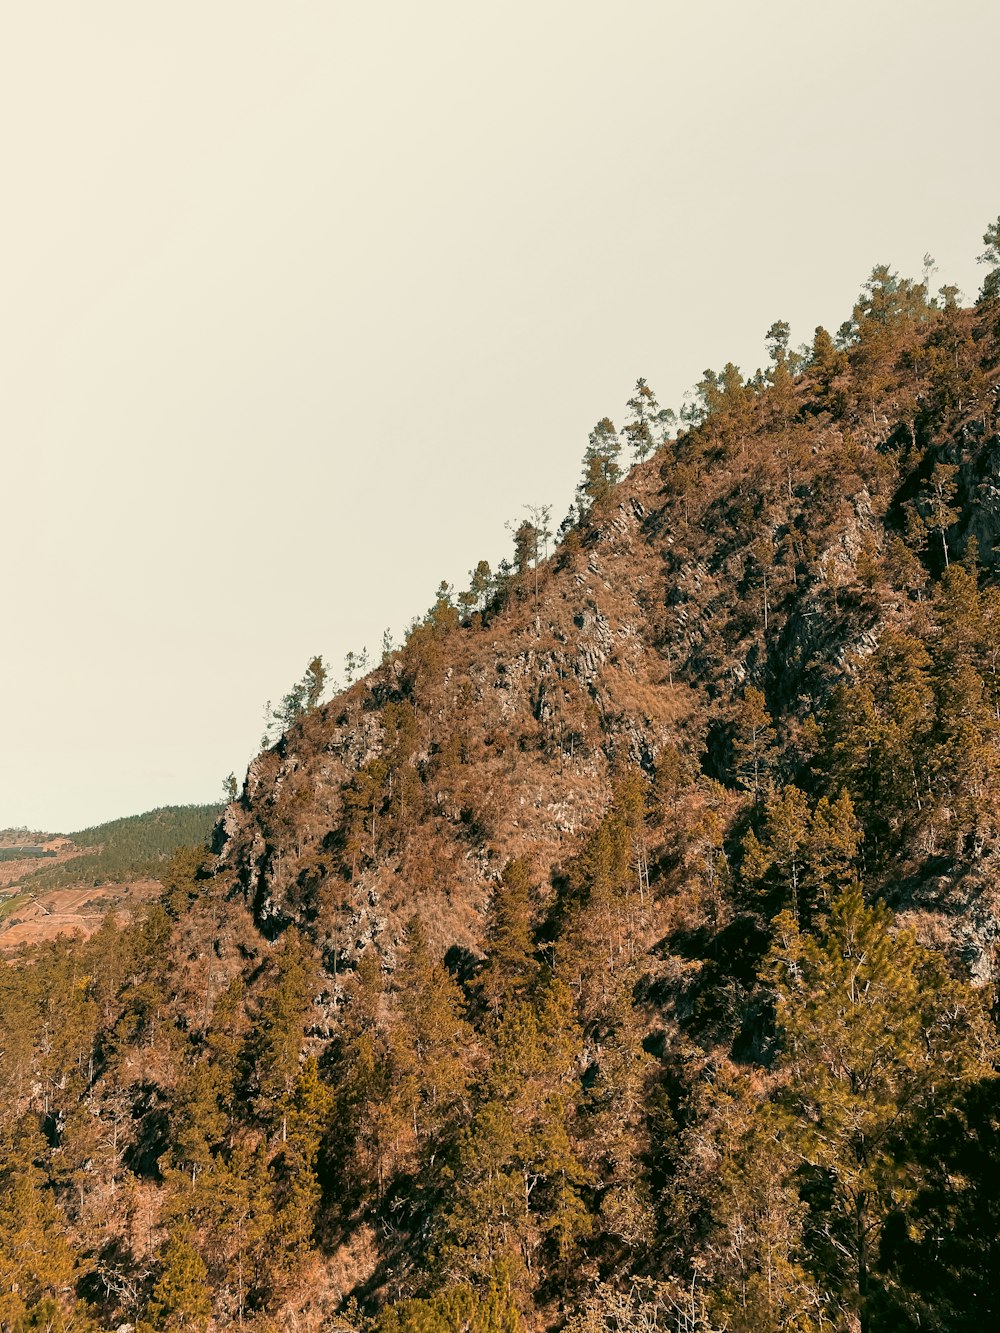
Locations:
(617, 953)
(132, 846)
(53, 884)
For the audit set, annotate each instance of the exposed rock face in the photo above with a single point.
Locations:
(980, 489)
(500, 737)
(531, 710)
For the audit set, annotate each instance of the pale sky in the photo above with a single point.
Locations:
(300, 302)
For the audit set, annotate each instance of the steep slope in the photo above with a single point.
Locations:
(560, 972)
(765, 547)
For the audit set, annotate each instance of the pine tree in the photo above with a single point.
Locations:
(370, 1120)
(802, 858)
(233, 1208)
(443, 615)
(297, 1190)
(516, 1200)
(457, 1309)
(825, 359)
(777, 859)
(940, 1253)
(832, 851)
(525, 547)
(481, 584)
(991, 255)
(482, 1223)
(37, 1267)
(874, 1032)
(780, 376)
(601, 469)
(606, 910)
(315, 682)
(274, 1044)
(964, 760)
(181, 1298)
(224, 1041)
(648, 424)
(198, 1122)
(937, 507)
(674, 774)
(878, 734)
(304, 695)
(617, 1129)
(511, 967)
(429, 1045)
(735, 1196)
(753, 742)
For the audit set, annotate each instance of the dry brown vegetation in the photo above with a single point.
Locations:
(512, 989)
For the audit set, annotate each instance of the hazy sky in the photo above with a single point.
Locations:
(300, 302)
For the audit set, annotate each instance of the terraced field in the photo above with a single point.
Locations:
(54, 884)
(27, 918)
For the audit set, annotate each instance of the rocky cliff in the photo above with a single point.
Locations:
(772, 545)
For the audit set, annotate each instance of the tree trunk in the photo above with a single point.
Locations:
(862, 1244)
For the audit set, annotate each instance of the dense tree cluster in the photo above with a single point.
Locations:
(129, 848)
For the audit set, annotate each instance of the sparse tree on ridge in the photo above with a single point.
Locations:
(648, 424)
(991, 255)
(601, 469)
(303, 697)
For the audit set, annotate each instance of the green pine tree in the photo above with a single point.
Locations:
(181, 1298)
(874, 1032)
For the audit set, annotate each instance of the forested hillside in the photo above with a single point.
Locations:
(131, 847)
(619, 954)
(54, 884)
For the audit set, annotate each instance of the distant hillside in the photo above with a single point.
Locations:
(134, 847)
(54, 884)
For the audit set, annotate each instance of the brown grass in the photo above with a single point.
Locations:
(75, 911)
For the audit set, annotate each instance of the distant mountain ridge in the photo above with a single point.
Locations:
(132, 845)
